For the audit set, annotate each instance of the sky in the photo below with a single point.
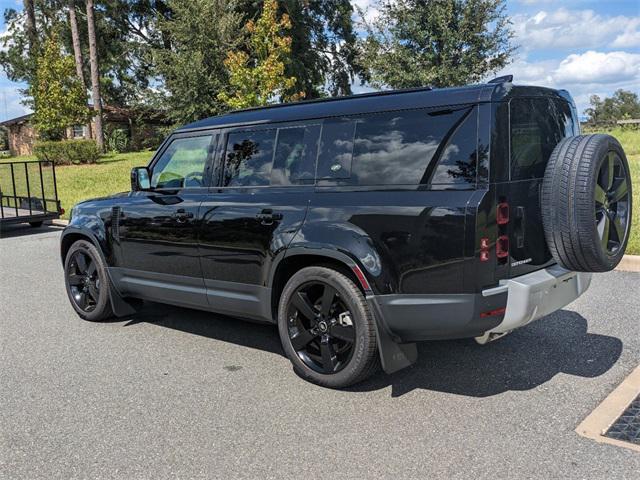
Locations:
(584, 46)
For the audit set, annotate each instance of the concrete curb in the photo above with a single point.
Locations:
(629, 263)
(60, 223)
(598, 422)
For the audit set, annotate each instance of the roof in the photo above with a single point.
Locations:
(372, 102)
(16, 120)
(113, 113)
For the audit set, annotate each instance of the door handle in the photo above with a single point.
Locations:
(182, 215)
(267, 216)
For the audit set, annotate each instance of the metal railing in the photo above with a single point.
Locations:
(28, 189)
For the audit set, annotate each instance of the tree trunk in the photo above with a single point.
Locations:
(31, 26)
(95, 75)
(77, 53)
(75, 38)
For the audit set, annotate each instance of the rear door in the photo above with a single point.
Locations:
(265, 177)
(537, 125)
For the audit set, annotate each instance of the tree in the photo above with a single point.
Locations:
(30, 26)
(323, 44)
(59, 99)
(95, 76)
(623, 104)
(192, 69)
(75, 36)
(415, 43)
(258, 78)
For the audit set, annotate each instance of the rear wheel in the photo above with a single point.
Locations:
(327, 329)
(87, 282)
(36, 224)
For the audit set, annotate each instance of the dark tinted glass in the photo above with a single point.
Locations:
(459, 159)
(537, 126)
(336, 149)
(397, 148)
(248, 158)
(295, 158)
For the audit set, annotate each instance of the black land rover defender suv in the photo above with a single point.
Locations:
(362, 225)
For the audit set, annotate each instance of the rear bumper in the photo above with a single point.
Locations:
(537, 294)
(411, 318)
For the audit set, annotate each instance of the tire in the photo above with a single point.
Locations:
(98, 283)
(349, 367)
(586, 203)
(36, 224)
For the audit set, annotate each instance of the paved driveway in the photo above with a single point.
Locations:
(176, 393)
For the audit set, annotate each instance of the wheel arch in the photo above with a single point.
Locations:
(71, 235)
(297, 259)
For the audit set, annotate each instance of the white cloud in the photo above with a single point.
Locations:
(629, 39)
(368, 7)
(597, 67)
(583, 75)
(563, 28)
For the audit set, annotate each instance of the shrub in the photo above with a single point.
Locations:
(67, 152)
(117, 141)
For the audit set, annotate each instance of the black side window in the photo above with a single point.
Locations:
(401, 148)
(248, 159)
(458, 162)
(537, 126)
(336, 149)
(295, 157)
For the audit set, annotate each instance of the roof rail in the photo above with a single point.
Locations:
(502, 79)
(379, 93)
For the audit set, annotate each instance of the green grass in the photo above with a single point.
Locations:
(111, 175)
(80, 182)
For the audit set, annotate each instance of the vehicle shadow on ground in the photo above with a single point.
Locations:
(523, 360)
(19, 230)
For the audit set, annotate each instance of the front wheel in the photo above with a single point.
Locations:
(327, 329)
(87, 282)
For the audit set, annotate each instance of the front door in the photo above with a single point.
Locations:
(159, 228)
(265, 181)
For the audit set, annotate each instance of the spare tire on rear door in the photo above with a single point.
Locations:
(586, 203)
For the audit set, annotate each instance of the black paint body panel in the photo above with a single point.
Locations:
(218, 248)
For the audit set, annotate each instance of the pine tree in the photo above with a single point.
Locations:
(441, 43)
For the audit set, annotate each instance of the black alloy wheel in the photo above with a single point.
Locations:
(612, 203)
(84, 282)
(87, 282)
(321, 327)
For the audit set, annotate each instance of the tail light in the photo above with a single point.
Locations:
(502, 214)
(502, 219)
(502, 247)
(484, 249)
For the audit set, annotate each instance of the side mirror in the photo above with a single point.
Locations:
(140, 179)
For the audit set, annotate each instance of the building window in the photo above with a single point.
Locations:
(78, 131)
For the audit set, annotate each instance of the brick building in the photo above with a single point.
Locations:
(145, 130)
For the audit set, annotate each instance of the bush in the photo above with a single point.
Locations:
(117, 141)
(67, 152)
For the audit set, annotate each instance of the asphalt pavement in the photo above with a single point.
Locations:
(176, 393)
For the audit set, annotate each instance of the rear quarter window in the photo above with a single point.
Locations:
(537, 125)
(435, 147)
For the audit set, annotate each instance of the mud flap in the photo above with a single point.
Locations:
(120, 307)
(393, 355)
